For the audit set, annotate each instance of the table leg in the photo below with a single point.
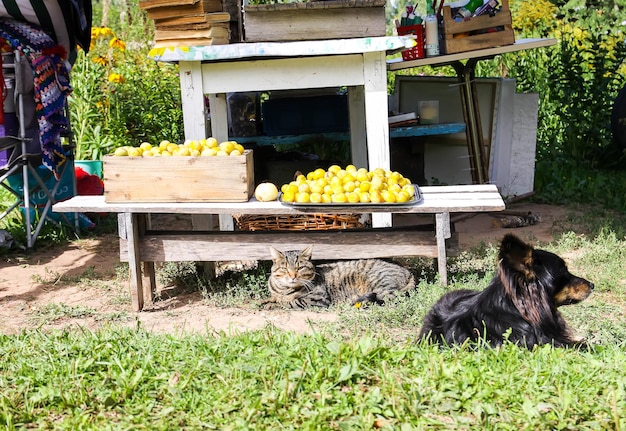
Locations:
(442, 228)
(144, 222)
(471, 113)
(219, 116)
(192, 98)
(129, 228)
(358, 130)
(376, 120)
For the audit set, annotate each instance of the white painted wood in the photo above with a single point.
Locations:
(519, 45)
(522, 161)
(502, 134)
(137, 246)
(356, 106)
(219, 116)
(442, 232)
(148, 275)
(283, 73)
(301, 48)
(376, 119)
(192, 97)
(134, 261)
(459, 198)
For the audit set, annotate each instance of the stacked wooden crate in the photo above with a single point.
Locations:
(188, 22)
(314, 20)
(480, 32)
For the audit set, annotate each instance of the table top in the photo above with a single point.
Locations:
(437, 199)
(519, 45)
(237, 51)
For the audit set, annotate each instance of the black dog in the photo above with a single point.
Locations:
(522, 298)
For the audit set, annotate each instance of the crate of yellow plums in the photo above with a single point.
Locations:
(195, 171)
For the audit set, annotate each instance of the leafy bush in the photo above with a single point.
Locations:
(122, 97)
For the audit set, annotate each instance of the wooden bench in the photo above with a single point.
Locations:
(139, 244)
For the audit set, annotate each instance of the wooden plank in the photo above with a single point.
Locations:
(183, 8)
(221, 246)
(149, 4)
(196, 22)
(316, 5)
(478, 32)
(207, 33)
(178, 179)
(133, 259)
(394, 132)
(460, 198)
(277, 74)
(442, 223)
(208, 41)
(519, 45)
(312, 24)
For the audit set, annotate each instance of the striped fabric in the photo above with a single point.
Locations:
(67, 21)
(51, 84)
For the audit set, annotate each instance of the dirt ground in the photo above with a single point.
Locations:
(29, 284)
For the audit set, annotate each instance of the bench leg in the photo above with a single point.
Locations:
(129, 229)
(144, 222)
(442, 227)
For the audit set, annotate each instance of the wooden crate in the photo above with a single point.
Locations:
(315, 20)
(456, 38)
(179, 179)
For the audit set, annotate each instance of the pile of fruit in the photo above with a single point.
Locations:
(349, 185)
(193, 148)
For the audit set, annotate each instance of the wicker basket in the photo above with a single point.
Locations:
(298, 222)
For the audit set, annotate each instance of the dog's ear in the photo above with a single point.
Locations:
(520, 280)
(517, 255)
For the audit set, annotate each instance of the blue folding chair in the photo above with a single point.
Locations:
(34, 187)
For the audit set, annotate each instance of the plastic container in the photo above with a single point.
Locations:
(92, 167)
(418, 50)
(432, 32)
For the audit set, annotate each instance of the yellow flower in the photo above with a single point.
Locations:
(101, 31)
(117, 43)
(528, 15)
(100, 59)
(116, 78)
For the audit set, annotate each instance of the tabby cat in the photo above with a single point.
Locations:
(295, 282)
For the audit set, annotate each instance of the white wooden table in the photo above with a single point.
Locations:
(359, 64)
(139, 244)
(464, 64)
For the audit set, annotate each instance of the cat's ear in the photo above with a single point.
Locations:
(307, 252)
(276, 254)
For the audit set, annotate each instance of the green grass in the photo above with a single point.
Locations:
(365, 371)
(131, 379)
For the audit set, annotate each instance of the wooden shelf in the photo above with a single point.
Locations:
(394, 132)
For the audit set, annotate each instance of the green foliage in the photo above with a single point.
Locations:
(146, 107)
(122, 97)
(560, 180)
(577, 80)
(365, 371)
(125, 379)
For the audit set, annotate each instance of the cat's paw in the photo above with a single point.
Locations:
(270, 304)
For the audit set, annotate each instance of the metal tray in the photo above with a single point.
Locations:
(417, 198)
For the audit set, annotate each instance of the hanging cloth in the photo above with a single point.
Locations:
(67, 21)
(51, 84)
